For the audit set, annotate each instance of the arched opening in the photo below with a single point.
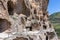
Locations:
(10, 6)
(4, 25)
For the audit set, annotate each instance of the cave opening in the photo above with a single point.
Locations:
(4, 25)
(10, 6)
(46, 37)
(44, 27)
(29, 28)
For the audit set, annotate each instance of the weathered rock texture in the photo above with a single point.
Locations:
(25, 20)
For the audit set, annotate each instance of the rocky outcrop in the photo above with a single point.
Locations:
(26, 20)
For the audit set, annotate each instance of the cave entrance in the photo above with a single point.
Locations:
(10, 6)
(4, 25)
(46, 37)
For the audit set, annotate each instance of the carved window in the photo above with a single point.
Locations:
(10, 6)
(44, 27)
(29, 28)
(46, 37)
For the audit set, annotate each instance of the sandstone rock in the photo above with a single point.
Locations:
(25, 20)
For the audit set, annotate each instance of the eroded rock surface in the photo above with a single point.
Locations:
(25, 20)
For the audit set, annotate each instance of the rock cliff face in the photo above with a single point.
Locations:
(25, 20)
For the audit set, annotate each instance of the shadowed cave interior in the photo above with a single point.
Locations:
(10, 6)
(4, 25)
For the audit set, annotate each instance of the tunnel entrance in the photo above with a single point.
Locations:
(4, 25)
(10, 6)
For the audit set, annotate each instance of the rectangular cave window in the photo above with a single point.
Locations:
(10, 6)
(29, 28)
(46, 37)
(44, 27)
(35, 11)
(44, 14)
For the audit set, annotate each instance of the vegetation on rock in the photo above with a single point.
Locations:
(55, 19)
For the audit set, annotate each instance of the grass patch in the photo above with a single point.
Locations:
(57, 28)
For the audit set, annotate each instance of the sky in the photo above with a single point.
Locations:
(53, 6)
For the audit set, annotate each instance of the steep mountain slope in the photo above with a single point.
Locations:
(55, 19)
